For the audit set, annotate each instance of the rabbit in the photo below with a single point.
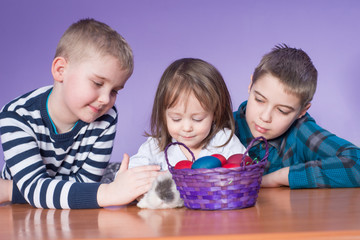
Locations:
(163, 194)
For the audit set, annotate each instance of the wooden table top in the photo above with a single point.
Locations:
(280, 213)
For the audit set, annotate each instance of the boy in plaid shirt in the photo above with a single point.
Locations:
(301, 153)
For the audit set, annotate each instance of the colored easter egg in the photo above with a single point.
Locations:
(237, 158)
(183, 164)
(255, 161)
(220, 157)
(230, 165)
(248, 160)
(206, 162)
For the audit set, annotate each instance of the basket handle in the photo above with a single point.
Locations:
(179, 143)
(250, 146)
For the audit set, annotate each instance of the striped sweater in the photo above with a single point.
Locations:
(53, 170)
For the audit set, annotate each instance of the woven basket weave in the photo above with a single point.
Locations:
(219, 188)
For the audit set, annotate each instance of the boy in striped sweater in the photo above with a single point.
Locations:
(57, 140)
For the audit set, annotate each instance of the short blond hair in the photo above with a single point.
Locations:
(89, 34)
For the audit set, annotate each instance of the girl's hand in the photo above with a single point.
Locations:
(127, 185)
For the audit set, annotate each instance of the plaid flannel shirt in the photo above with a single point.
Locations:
(316, 157)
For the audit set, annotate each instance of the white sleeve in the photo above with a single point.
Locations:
(148, 154)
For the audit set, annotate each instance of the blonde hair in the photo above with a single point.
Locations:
(186, 76)
(89, 34)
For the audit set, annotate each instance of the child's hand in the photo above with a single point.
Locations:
(276, 179)
(128, 184)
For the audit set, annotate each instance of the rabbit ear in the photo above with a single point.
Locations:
(166, 189)
(177, 202)
(163, 189)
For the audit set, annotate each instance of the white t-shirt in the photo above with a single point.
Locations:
(149, 153)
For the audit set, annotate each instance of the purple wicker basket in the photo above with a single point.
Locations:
(219, 188)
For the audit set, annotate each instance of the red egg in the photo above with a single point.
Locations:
(220, 157)
(183, 164)
(237, 158)
(230, 165)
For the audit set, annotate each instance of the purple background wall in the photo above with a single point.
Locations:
(232, 35)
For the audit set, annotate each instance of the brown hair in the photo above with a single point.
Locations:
(89, 34)
(186, 76)
(293, 67)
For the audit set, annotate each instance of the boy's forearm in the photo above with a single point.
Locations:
(276, 179)
(111, 194)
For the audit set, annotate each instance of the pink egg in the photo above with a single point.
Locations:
(237, 158)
